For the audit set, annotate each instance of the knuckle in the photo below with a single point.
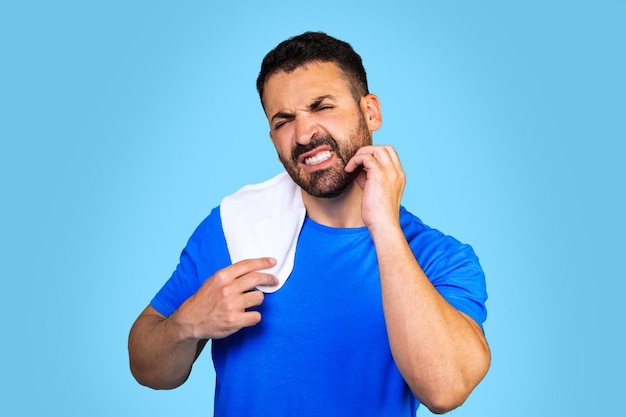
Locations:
(230, 307)
(225, 291)
(220, 276)
(257, 278)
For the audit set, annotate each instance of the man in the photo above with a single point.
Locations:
(379, 312)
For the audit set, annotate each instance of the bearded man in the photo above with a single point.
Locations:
(320, 293)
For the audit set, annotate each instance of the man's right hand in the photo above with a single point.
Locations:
(162, 350)
(219, 308)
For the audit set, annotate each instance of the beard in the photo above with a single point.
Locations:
(334, 180)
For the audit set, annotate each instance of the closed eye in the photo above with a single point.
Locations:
(281, 118)
(280, 124)
(322, 103)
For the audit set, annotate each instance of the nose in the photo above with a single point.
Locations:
(305, 129)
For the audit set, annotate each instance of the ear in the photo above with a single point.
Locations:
(272, 138)
(370, 106)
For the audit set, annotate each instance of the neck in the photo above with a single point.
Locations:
(341, 211)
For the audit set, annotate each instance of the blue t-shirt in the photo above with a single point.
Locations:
(321, 348)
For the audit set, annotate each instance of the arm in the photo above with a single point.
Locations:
(161, 356)
(162, 350)
(441, 352)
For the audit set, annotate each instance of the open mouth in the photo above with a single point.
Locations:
(318, 158)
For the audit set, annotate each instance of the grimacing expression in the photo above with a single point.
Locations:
(331, 181)
(317, 125)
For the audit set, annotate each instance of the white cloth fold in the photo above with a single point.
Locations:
(265, 219)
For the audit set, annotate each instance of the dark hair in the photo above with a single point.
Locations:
(314, 47)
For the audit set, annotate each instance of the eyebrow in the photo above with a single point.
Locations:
(312, 106)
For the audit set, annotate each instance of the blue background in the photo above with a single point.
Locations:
(123, 123)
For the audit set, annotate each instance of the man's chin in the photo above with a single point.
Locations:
(332, 187)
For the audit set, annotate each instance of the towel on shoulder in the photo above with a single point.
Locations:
(262, 220)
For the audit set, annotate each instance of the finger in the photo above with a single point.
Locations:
(393, 160)
(249, 265)
(241, 268)
(355, 161)
(363, 159)
(393, 155)
(383, 155)
(254, 279)
(250, 318)
(253, 299)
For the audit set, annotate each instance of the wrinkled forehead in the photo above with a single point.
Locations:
(311, 79)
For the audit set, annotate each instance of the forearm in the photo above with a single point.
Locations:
(161, 357)
(441, 353)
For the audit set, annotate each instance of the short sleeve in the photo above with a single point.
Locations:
(452, 267)
(204, 254)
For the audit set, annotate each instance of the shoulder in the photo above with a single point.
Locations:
(208, 235)
(414, 227)
(210, 224)
(433, 248)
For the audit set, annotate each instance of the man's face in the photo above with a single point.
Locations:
(316, 126)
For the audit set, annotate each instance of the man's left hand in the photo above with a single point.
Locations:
(382, 180)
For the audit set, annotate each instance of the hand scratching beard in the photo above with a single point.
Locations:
(332, 181)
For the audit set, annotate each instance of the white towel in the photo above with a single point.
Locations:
(263, 220)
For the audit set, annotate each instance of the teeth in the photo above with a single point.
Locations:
(322, 156)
